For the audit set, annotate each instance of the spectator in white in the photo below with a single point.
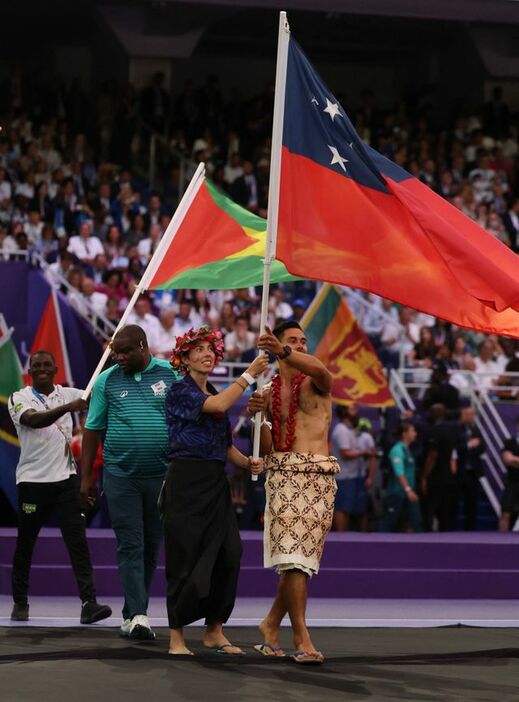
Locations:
(6, 190)
(485, 363)
(398, 342)
(85, 246)
(166, 338)
(143, 317)
(279, 307)
(7, 243)
(351, 499)
(61, 268)
(376, 318)
(96, 299)
(33, 227)
(233, 169)
(47, 151)
(186, 318)
(27, 188)
(146, 248)
(240, 340)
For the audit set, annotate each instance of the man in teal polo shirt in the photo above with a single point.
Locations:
(401, 501)
(128, 403)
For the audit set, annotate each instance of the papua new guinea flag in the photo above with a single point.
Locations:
(334, 335)
(348, 215)
(218, 245)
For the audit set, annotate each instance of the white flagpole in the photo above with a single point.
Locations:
(273, 201)
(192, 189)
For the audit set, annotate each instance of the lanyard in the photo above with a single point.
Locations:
(68, 452)
(40, 398)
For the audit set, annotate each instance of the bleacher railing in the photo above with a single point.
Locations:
(102, 326)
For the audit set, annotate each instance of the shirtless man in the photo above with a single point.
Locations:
(300, 484)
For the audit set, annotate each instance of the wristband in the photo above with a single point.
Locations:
(248, 378)
(266, 424)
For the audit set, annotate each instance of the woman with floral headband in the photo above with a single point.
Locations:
(203, 547)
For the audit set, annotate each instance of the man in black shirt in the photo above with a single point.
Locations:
(470, 465)
(442, 392)
(438, 483)
(510, 497)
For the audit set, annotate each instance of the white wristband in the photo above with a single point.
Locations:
(248, 378)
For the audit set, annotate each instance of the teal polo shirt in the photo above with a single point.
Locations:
(402, 463)
(131, 408)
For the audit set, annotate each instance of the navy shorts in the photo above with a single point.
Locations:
(352, 496)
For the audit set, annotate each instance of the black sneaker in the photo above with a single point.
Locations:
(92, 612)
(20, 613)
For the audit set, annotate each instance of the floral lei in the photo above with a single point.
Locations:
(190, 340)
(290, 431)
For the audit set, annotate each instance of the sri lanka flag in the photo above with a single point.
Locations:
(348, 215)
(334, 335)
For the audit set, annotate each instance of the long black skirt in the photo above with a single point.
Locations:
(202, 543)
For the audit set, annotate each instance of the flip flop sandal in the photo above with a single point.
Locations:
(264, 647)
(222, 652)
(306, 658)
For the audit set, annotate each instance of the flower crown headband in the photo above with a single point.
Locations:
(190, 340)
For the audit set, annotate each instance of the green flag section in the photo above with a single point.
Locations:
(219, 245)
(336, 338)
(10, 366)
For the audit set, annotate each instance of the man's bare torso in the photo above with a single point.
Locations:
(313, 417)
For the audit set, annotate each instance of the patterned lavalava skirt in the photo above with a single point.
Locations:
(300, 496)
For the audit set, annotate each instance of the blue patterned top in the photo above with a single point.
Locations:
(193, 433)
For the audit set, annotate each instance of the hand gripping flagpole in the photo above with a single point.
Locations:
(192, 189)
(273, 202)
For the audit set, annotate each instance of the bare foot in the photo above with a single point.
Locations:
(219, 641)
(271, 636)
(180, 651)
(305, 644)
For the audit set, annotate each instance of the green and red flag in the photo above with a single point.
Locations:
(10, 366)
(219, 245)
(336, 338)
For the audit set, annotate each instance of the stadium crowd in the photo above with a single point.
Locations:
(73, 189)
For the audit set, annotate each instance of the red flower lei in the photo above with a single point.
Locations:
(290, 431)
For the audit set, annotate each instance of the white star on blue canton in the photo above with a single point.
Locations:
(332, 108)
(337, 158)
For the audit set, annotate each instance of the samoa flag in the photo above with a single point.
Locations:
(348, 215)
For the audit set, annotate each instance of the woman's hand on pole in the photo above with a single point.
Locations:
(259, 365)
(255, 465)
